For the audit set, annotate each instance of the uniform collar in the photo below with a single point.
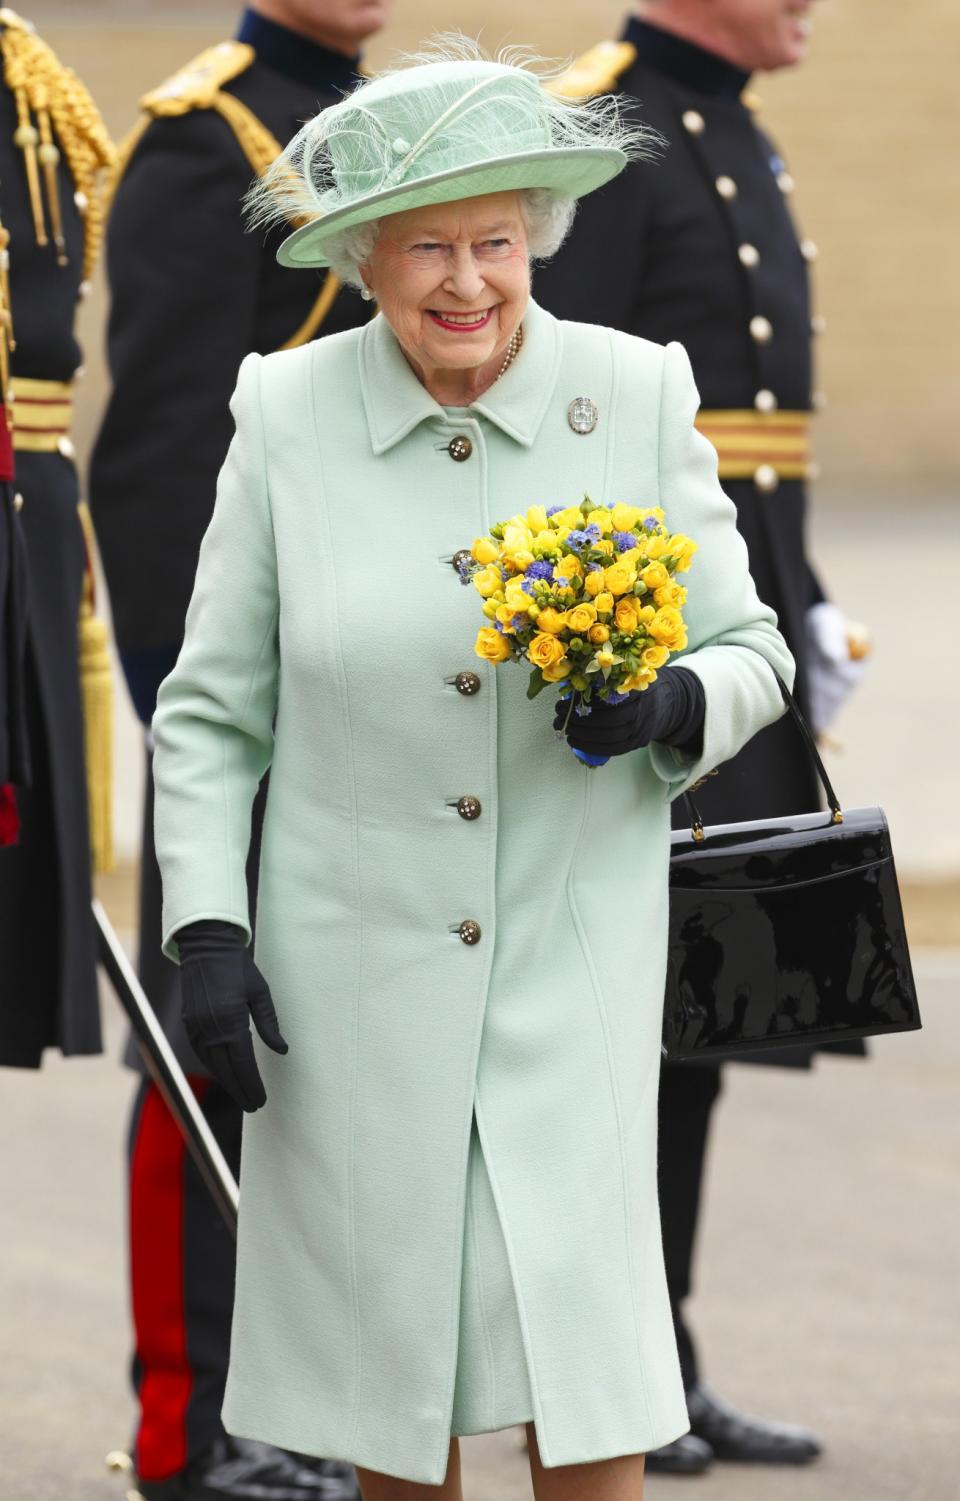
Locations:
(395, 402)
(686, 63)
(295, 55)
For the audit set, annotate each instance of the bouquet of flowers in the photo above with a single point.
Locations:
(586, 594)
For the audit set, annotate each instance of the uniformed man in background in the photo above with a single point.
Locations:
(53, 659)
(701, 246)
(193, 293)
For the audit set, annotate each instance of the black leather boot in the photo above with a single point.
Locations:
(745, 1440)
(239, 1469)
(687, 1455)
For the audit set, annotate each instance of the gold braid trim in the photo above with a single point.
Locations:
(199, 85)
(597, 71)
(42, 86)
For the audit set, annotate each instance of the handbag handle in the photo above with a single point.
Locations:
(836, 812)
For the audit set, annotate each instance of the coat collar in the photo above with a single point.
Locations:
(396, 403)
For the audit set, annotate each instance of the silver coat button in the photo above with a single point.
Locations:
(808, 249)
(726, 187)
(765, 401)
(785, 182)
(469, 931)
(18, 502)
(469, 807)
(467, 683)
(766, 479)
(693, 121)
(749, 255)
(761, 329)
(459, 448)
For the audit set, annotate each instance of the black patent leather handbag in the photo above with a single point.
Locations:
(786, 932)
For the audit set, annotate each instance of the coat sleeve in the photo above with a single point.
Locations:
(214, 722)
(733, 637)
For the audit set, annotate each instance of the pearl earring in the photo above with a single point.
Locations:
(366, 294)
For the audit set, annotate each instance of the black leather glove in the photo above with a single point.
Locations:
(220, 989)
(670, 712)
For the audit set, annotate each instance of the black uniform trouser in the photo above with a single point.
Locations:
(687, 1097)
(182, 1259)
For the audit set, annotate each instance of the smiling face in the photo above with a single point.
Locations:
(453, 282)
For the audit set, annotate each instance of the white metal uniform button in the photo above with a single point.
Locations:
(785, 182)
(765, 401)
(749, 255)
(761, 329)
(726, 187)
(766, 479)
(808, 249)
(693, 121)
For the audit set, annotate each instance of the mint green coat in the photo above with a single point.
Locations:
(323, 639)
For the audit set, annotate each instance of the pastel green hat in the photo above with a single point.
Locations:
(434, 133)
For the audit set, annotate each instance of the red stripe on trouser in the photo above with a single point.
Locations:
(157, 1286)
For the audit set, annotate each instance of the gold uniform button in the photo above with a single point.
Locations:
(808, 250)
(766, 479)
(693, 121)
(462, 559)
(459, 448)
(749, 255)
(818, 324)
(18, 502)
(726, 187)
(469, 807)
(469, 931)
(785, 182)
(765, 401)
(467, 683)
(761, 329)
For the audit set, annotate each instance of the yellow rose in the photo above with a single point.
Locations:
(683, 552)
(569, 568)
(655, 511)
(517, 597)
(490, 608)
(522, 559)
(485, 550)
(572, 518)
(487, 581)
(490, 645)
(619, 577)
(551, 620)
(655, 547)
(545, 650)
(581, 618)
(647, 613)
(601, 517)
(655, 575)
(604, 602)
(599, 633)
(547, 542)
(558, 671)
(517, 539)
(625, 518)
(627, 613)
(654, 656)
(667, 628)
(505, 614)
(537, 519)
(670, 594)
(594, 583)
(604, 545)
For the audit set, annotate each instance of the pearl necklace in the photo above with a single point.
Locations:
(513, 349)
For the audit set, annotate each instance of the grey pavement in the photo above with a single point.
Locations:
(827, 1292)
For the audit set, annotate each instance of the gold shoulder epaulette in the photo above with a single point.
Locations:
(596, 72)
(196, 85)
(199, 85)
(67, 121)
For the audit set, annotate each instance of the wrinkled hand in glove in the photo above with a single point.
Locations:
(671, 711)
(220, 990)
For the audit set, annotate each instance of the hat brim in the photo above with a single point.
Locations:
(574, 172)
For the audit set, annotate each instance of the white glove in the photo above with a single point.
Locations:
(833, 669)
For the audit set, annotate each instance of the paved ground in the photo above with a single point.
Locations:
(828, 1286)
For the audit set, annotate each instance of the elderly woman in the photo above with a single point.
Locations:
(449, 1219)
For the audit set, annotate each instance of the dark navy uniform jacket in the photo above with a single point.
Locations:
(191, 294)
(700, 246)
